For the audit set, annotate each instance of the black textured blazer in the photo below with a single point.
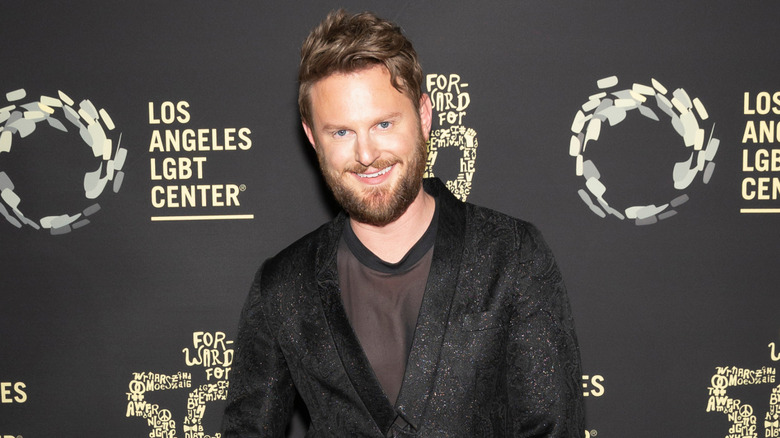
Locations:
(494, 351)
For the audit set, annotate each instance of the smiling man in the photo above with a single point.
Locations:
(411, 313)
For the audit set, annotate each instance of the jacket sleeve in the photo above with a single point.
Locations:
(261, 392)
(544, 378)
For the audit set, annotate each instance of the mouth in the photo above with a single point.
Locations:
(376, 174)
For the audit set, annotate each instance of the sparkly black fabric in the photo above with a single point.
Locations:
(494, 352)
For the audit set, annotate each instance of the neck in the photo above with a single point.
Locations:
(392, 241)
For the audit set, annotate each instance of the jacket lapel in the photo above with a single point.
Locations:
(423, 363)
(353, 358)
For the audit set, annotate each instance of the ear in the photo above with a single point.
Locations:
(309, 134)
(426, 115)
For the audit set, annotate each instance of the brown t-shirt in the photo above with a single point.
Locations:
(382, 301)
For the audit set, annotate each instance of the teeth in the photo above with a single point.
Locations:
(375, 174)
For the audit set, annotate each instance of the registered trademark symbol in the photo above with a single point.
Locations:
(242, 187)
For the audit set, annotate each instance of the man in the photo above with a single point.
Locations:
(411, 313)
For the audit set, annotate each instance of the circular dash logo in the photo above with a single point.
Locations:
(609, 107)
(26, 124)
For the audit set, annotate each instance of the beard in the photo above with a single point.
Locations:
(378, 205)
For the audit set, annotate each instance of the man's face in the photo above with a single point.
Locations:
(370, 143)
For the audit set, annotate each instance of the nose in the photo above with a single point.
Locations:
(366, 150)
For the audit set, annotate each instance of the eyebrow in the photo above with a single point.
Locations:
(336, 127)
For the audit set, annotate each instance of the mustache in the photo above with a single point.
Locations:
(378, 164)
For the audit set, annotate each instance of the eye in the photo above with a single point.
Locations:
(384, 125)
(340, 133)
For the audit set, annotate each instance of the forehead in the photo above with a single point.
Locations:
(367, 92)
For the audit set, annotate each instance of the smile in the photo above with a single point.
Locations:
(375, 174)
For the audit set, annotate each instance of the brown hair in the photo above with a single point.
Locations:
(344, 43)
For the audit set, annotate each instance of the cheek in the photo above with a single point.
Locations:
(400, 144)
(336, 156)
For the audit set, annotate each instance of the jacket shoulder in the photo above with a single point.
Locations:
(298, 256)
(489, 224)
(507, 242)
(291, 272)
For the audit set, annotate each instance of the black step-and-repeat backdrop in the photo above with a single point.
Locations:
(151, 157)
